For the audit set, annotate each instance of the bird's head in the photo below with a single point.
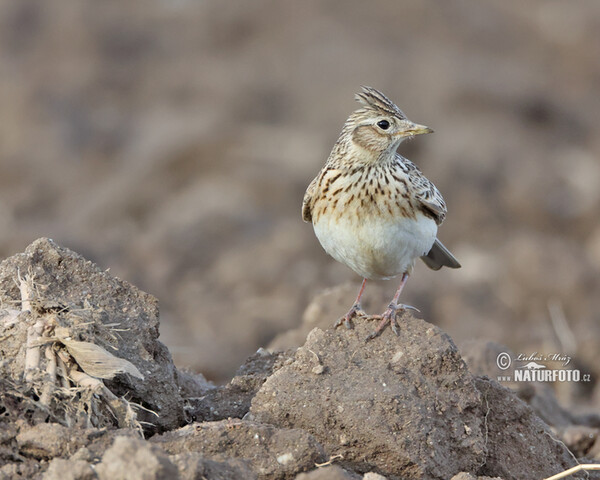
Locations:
(379, 126)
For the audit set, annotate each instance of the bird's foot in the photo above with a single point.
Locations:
(355, 311)
(389, 316)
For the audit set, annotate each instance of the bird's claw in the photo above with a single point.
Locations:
(389, 316)
(395, 326)
(355, 311)
(408, 307)
(402, 306)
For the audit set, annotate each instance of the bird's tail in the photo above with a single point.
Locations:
(439, 256)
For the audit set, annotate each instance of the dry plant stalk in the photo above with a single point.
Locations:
(575, 469)
(62, 369)
(339, 456)
(82, 363)
(34, 333)
(32, 354)
(84, 380)
(50, 384)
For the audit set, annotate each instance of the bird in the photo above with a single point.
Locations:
(374, 210)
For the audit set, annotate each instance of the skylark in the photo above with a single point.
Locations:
(371, 208)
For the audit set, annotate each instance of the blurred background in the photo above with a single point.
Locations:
(172, 141)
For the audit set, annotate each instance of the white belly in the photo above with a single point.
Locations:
(376, 248)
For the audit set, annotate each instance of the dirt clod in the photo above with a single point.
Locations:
(61, 469)
(469, 476)
(233, 399)
(73, 298)
(135, 459)
(48, 440)
(273, 453)
(332, 472)
(518, 437)
(193, 466)
(406, 405)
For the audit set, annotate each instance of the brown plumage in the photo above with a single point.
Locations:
(373, 209)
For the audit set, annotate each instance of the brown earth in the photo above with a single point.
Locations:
(173, 141)
(397, 407)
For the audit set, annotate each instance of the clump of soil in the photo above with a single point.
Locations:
(88, 389)
(407, 407)
(404, 406)
(83, 344)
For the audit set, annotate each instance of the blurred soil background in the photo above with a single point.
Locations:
(172, 141)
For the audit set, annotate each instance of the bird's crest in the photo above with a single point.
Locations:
(376, 100)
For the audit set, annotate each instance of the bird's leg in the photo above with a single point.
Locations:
(389, 316)
(355, 310)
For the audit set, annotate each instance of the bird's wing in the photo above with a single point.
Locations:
(426, 193)
(307, 202)
(432, 203)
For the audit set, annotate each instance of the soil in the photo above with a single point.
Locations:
(396, 407)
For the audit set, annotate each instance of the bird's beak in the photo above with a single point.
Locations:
(415, 129)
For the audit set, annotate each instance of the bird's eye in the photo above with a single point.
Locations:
(383, 124)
